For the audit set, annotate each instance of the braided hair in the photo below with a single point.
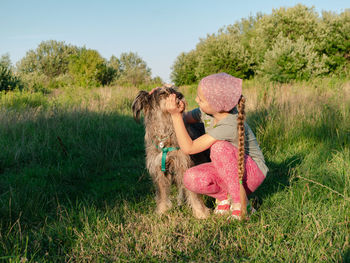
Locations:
(241, 152)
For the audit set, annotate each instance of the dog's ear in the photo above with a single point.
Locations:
(139, 103)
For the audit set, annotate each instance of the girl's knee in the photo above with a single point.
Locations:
(220, 148)
(189, 179)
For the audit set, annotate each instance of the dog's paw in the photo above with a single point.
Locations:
(201, 213)
(163, 207)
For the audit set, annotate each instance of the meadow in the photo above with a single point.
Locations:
(74, 188)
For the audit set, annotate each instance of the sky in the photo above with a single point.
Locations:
(158, 31)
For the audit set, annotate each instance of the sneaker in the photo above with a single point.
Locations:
(236, 211)
(222, 207)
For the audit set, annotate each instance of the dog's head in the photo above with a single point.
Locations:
(155, 101)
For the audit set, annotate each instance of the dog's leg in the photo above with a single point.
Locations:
(198, 207)
(194, 200)
(163, 192)
(181, 196)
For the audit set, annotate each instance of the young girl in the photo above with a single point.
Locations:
(237, 164)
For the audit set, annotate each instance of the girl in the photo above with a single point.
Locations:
(237, 164)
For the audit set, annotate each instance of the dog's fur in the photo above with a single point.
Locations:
(159, 127)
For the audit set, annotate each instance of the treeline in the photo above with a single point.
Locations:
(289, 44)
(54, 63)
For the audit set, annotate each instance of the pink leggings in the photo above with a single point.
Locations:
(219, 178)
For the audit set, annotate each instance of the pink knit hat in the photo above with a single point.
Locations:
(222, 91)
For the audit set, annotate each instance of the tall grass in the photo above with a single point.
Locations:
(73, 184)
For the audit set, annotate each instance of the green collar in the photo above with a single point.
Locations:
(165, 151)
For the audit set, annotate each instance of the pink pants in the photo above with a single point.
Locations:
(219, 178)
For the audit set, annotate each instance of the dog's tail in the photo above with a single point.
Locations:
(139, 103)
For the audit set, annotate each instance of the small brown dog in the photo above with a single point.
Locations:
(165, 162)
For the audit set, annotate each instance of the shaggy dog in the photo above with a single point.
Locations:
(165, 162)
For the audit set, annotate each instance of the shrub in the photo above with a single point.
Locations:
(242, 48)
(291, 22)
(8, 80)
(183, 69)
(21, 100)
(335, 40)
(288, 60)
(222, 53)
(87, 68)
(36, 82)
(105, 74)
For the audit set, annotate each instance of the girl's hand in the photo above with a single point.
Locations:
(149, 93)
(174, 106)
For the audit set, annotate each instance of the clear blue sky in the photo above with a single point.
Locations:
(157, 30)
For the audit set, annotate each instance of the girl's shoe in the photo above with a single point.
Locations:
(236, 211)
(222, 207)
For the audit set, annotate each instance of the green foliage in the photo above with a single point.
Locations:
(222, 53)
(36, 82)
(291, 22)
(105, 74)
(335, 39)
(114, 63)
(291, 60)
(23, 100)
(51, 58)
(5, 61)
(88, 68)
(53, 64)
(184, 69)
(8, 80)
(133, 69)
(249, 47)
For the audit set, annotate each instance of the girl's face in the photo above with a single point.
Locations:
(203, 103)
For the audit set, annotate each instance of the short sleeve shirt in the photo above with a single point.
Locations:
(226, 129)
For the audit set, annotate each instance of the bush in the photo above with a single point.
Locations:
(291, 22)
(21, 100)
(288, 60)
(105, 74)
(184, 68)
(35, 82)
(335, 40)
(8, 80)
(250, 46)
(87, 68)
(222, 53)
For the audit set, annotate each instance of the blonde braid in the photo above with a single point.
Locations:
(241, 152)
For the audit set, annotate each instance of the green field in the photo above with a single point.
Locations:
(74, 188)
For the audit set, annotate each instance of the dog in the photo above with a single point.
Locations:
(165, 162)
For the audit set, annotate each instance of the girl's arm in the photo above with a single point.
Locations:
(187, 145)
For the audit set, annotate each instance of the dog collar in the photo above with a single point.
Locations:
(165, 151)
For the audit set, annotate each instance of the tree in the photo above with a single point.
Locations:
(291, 22)
(335, 39)
(288, 60)
(222, 53)
(133, 70)
(50, 58)
(184, 69)
(8, 80)
(87, 68)
(115, 64)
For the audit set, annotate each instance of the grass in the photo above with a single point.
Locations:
(73, 184)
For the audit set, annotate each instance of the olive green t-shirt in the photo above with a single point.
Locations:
(226, 129)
